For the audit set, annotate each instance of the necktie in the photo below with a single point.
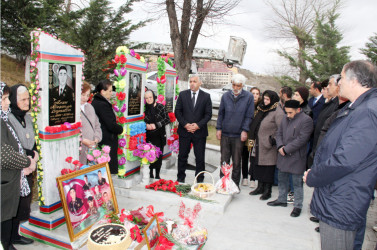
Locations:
(60, 91)
(193, 99)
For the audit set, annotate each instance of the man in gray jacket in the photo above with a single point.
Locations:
(291, 139)
(235, 114)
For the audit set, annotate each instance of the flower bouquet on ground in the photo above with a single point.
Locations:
(147, 152)
(76, 164)
(226, 185)
(99, 155)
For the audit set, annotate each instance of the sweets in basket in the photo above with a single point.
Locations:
(203, 190)
(226, 185)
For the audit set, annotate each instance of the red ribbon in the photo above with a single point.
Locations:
(151, 213)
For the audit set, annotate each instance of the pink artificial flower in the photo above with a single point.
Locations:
(160, 98)
(96, 153)
(90, 157)
(106, 149)
(147, 147)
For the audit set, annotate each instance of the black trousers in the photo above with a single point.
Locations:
(231, 147)
(159, 140)
(245, 163)
(199, 145)
(6, 231)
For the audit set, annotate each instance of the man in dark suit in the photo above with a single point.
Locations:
(316, 101)
(62, 104)
(193, 111)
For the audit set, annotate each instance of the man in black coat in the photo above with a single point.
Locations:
(316, 101)
(193, 111)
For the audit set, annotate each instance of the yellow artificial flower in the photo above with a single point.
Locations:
(121, 172)
(142, 59)
(42, 198)
(122, 84)
(144, 161)
(121, 50)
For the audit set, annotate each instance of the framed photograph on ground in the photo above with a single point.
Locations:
(87, 195)
(151, 232)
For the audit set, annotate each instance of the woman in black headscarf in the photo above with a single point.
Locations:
(264, 152)
(23, 125)
(156, 119)
(14, 166)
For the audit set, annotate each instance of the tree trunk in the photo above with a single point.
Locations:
(302, 62)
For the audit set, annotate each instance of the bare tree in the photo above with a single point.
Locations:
(295, 20)
(184, 31)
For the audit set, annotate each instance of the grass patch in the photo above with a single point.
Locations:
(211, 139)
(12, 71)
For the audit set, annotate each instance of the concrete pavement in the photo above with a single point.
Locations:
(247, 223)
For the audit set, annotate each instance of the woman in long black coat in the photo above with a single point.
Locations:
(156, 119)
(107, 119)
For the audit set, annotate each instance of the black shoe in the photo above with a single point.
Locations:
(314, 219)
(11, 247)
(267, 192)
(296, 212)
(22, 241)
(316, 229)
(277, 203)
(181, 180)
(258, 190)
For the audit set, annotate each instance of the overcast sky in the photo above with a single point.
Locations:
(358, 22)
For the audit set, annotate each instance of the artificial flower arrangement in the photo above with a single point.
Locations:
(173, 141)
(97, 156)
(64, 127)
(77, 165)
(147, 152)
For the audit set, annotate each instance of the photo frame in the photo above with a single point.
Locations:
(152, 232)
(87, 195)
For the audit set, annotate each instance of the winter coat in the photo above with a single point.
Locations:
(294, 135)
(235, 114)
(11, 164)
(327, 110)
(91, 129)
(110, 128)
(316, 108)
(344, 171)
(267, 153)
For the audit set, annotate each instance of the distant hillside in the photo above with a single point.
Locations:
(263, 82)
(12, 71)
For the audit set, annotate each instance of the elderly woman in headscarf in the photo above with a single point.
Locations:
(262, 132)
(15, 165)
(23, 125)
(156, 119)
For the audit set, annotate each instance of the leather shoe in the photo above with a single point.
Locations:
(277, 203)
(316, 229)
(296, 212)
(181, 181)
(11, 247)
(314, 219)
(23, 241)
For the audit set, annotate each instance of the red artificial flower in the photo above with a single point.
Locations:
(68, 159)
(75, 162)
(137, 56)
(121, 96)
(116, 59)
(123, 59)
(122, 120)
(172, 117)
(120, 151)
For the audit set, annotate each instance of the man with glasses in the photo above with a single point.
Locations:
(235, 114)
